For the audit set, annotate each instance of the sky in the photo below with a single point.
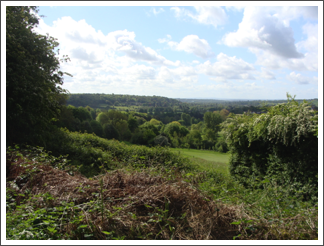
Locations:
(198, 51)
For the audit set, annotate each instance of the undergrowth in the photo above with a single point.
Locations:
(48, 198)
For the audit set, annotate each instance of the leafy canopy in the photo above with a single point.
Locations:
(33, 79)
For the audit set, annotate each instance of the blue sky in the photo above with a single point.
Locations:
(198, 51)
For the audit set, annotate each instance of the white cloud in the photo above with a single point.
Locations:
(180, 76)
(193, 44)
(261, 30)
(138, 72)
(265, 74)
(158, 11)
(311, 43)
(91, 56)
(271, 61)
(81, 41)
(288, 13)
(227, 68)
(208, 15)
(300, 79)
(124, 41)
(164, 40)
(113, 61)
(119, 63)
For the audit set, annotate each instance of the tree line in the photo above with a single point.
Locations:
(146, 129)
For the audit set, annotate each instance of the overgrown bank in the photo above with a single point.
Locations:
(140, 198)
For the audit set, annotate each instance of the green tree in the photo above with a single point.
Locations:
(110, 131)
(132, 123)
(81, 113)
(96, 128)
(33, 78)
(102, 118)
(212, 120)
(171, 128)
(193, 139)
(122, 127)
(186, 119)
(86, 127)
(224, 113)
(161, 140)
(183, 131)
(66, 118)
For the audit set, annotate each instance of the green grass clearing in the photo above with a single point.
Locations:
(207, 160)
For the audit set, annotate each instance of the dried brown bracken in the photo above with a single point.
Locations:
(143, 200)
(140, 205)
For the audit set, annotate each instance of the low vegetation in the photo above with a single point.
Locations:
(48, 198)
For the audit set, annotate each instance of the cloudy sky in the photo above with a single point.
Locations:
(198, 51)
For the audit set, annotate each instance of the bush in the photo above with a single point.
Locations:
(91, 152)
(280, 145)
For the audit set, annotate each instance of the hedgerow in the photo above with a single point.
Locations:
(280, 145)
(92, 153)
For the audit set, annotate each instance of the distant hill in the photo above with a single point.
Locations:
(233, 102)
(105, 101)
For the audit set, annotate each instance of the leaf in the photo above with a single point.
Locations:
(82, 226)
(106, 232)
(51, 229)
(236, 223)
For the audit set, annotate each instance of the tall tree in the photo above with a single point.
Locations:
(33, 78)
(212, 120)
(186, 119)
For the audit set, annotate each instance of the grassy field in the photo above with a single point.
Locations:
(207, 160)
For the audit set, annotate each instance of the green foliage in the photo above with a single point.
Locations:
(81, 113)
(278, 145)
(66, 118)
(33, 78)
(116, 116)
(122, 128)
(91, 152)
(221, 144)
(86, 126)
(172, 128)
(267, 213)
(145, 135)
(132, 123)
(224, 113)
(110, 132)
(186, 119)
(97, 128)
(193, 139)
(212, 120)
(102, 118)
(161, 141)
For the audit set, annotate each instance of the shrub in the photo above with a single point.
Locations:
(91, 152)
(280, 145)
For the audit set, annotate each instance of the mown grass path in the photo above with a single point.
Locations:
(206, 159)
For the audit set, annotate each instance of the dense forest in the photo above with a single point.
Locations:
(101, 166)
